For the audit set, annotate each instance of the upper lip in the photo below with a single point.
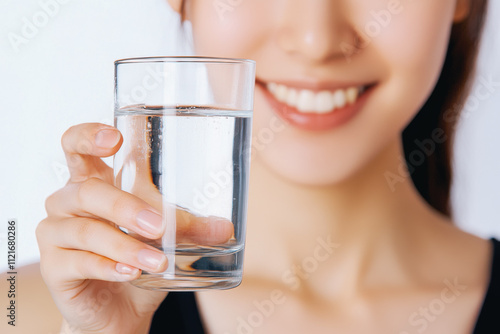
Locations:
(315, 85)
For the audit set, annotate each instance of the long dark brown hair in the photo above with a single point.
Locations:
(432, 176)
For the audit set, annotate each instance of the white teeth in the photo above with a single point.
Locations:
(271, 87)
(307, 101)
(352, 94)
(324, 102)
(339, 99)
(280, 93)
(292, 97)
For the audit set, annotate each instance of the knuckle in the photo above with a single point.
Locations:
(45, 233)
(74, 160)
(44, 271)
(49, 263)
(66, 137)
(40, 230)
(50, 203)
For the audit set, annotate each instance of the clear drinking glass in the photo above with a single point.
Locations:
(186, 126)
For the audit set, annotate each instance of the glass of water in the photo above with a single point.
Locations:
(186, 126)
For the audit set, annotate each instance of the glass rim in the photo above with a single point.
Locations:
(183, 59)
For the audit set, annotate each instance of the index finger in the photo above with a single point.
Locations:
(95, 198)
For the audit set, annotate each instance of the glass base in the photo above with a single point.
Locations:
(186, 283)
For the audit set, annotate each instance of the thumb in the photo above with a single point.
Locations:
(84, 145)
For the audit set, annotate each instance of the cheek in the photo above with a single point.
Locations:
(412, 48)
(224, 30)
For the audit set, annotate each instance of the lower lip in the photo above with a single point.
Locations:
(315, 121)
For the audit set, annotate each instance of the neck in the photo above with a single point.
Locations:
(365, 215)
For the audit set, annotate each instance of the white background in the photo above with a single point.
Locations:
(63, 75)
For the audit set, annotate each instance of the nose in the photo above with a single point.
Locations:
(315, 31)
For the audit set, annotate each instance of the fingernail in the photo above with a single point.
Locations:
(151, 259)
(126, 270)
(107, 138)
(149, 221)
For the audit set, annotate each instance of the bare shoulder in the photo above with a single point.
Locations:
(461, 254)
(35, 311)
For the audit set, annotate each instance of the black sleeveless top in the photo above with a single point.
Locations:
(178, 313)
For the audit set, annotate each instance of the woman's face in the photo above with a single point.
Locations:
(337, 81)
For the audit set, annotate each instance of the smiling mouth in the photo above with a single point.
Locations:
(316, 107)
(308, 101)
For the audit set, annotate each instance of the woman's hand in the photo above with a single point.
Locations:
(86, 261)
(84, 258)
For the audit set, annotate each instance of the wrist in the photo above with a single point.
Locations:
(145, 325)
(142, 328)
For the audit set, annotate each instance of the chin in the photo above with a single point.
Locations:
(315, 158)
(308, 174)
(300, 157)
